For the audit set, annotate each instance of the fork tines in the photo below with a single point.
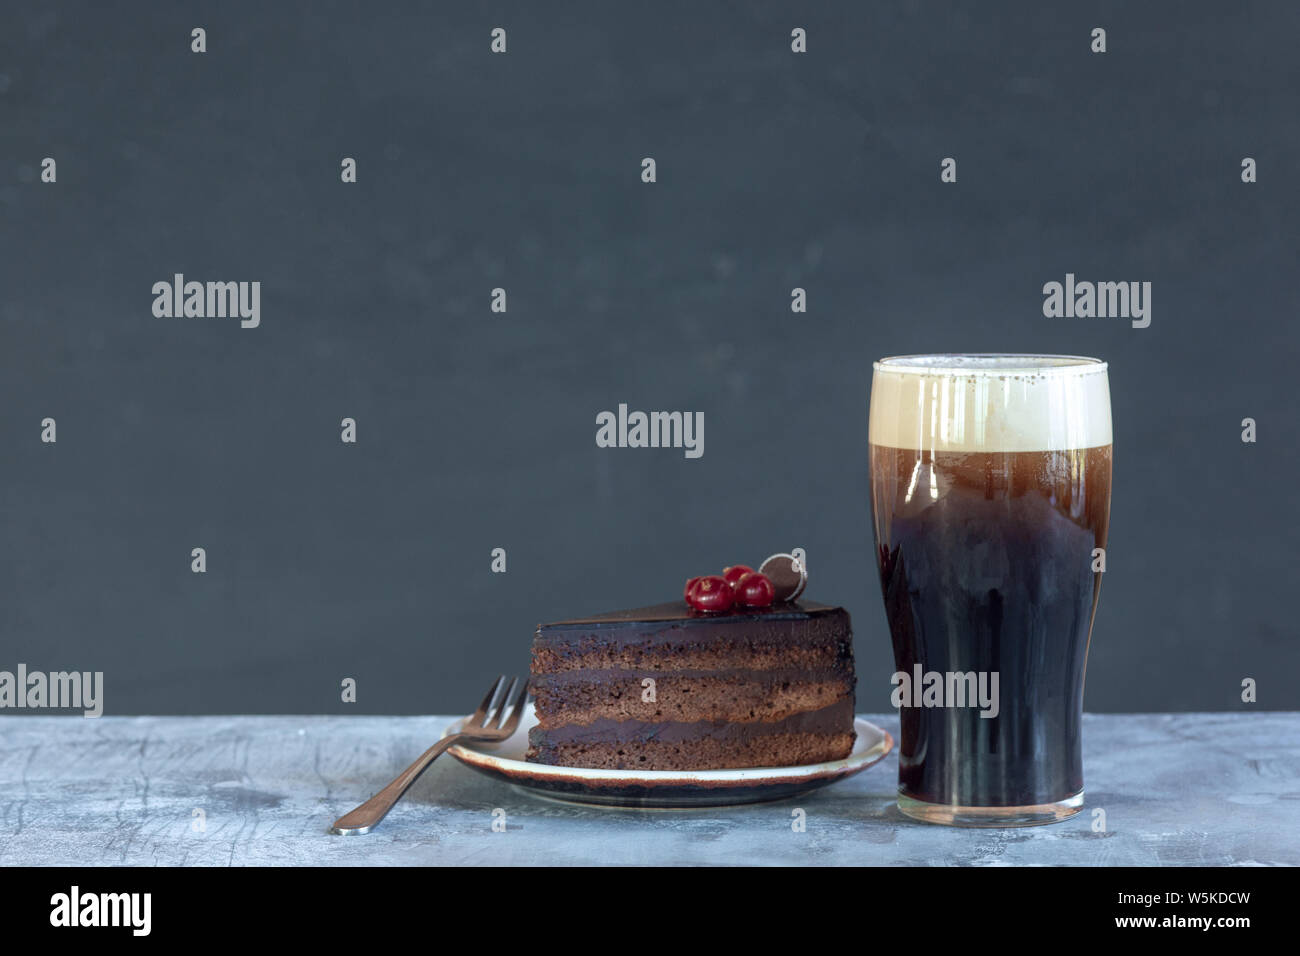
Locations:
(492, 713)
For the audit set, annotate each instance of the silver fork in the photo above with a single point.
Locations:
(477, 726)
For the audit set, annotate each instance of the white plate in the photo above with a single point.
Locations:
(663, 788)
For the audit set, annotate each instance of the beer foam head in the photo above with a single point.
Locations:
(975, 403)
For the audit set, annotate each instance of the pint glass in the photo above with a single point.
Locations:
(990, 499)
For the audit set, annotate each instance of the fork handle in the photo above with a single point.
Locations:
(376, 808)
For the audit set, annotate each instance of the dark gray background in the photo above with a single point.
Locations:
(477, 430)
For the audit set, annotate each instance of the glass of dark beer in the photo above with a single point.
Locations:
(990, 499)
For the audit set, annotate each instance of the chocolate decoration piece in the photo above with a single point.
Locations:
(788, 582)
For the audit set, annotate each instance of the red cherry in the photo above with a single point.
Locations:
(710, 593)
(689, 584)
(733, 574)
(755, 590)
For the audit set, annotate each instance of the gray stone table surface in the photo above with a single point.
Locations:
(1199, 789)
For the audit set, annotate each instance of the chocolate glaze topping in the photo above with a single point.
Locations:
(681, 611)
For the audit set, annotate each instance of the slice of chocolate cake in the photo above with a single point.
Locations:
(672, 688)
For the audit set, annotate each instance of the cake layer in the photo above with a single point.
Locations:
(739, 695)
(808, 737)
(824, 720)
(689, 652)
(705, 753)
(673, 637)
